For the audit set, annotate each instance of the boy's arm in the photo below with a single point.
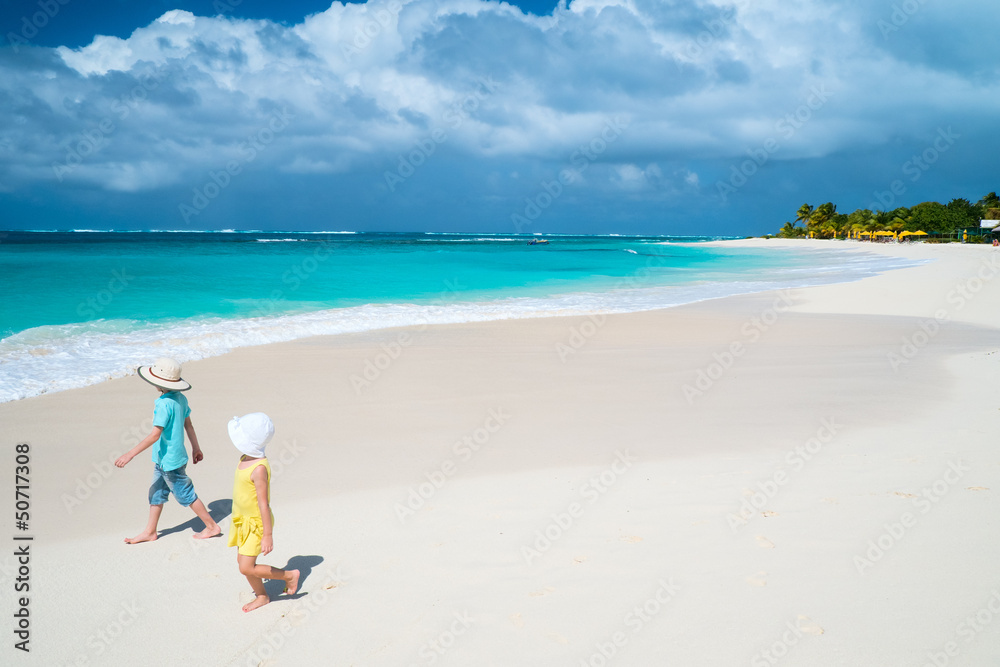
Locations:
(259, 477)
(196, 454)
(146, 443)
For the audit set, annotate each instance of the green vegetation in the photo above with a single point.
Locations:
(936, 219)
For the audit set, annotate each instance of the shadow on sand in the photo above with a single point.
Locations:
(218, 509)
(304, 564)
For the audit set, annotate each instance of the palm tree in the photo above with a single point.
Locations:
(827, 210)
(790, 231)
(875, 222)
(859, 226)
(822, 218)
(898, 223)
(841, 225)
(990, 201)
(989, 207)
(804, 214)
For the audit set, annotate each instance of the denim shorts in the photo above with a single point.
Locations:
(166, 482)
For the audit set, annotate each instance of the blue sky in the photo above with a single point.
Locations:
(593, 116)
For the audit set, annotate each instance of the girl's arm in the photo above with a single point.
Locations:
(259, 477)
(196, 454)
(146, 443)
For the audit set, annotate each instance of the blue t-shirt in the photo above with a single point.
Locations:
(169, 413)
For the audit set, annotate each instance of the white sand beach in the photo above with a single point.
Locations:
(799, 478)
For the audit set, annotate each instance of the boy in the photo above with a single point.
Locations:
(171, 418)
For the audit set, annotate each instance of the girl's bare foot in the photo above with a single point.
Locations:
(208, 532)
(144, 536)
(292, 582)
(258, 601)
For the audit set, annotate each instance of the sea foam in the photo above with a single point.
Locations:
(60, 357)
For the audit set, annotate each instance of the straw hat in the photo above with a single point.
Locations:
(251, 433)
(165, 373)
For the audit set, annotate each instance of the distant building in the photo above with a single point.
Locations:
(988, 224)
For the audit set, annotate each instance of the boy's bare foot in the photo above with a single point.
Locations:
(141, 537)
(208, 532)
(292, 583)
(258, 601)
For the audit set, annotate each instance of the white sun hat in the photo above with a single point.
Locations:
(251, 433)
(165, 373)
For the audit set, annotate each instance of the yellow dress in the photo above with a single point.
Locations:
(247, 528)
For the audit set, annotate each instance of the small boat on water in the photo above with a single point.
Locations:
(538, 242)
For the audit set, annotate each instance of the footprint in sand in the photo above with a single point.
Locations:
(759, 579)
(977, 488)
(808, 626)
(556, 637)
(768, 513)
(764, 543)
(517, 620)
(903, 495)
(631, 539)
(544, 591)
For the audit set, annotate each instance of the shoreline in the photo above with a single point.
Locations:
(106, 352)
(534, 480)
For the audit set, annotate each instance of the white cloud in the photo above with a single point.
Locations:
(127, 176)
(303, 165)
(100, 56)
(690, 178)
(368, 82)
(631, 177)
(177, 17)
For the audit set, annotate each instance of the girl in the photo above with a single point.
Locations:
(252, 518)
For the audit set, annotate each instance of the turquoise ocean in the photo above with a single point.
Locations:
(81, 307)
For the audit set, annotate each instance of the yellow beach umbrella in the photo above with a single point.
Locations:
(885, 233)
(919, 233)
